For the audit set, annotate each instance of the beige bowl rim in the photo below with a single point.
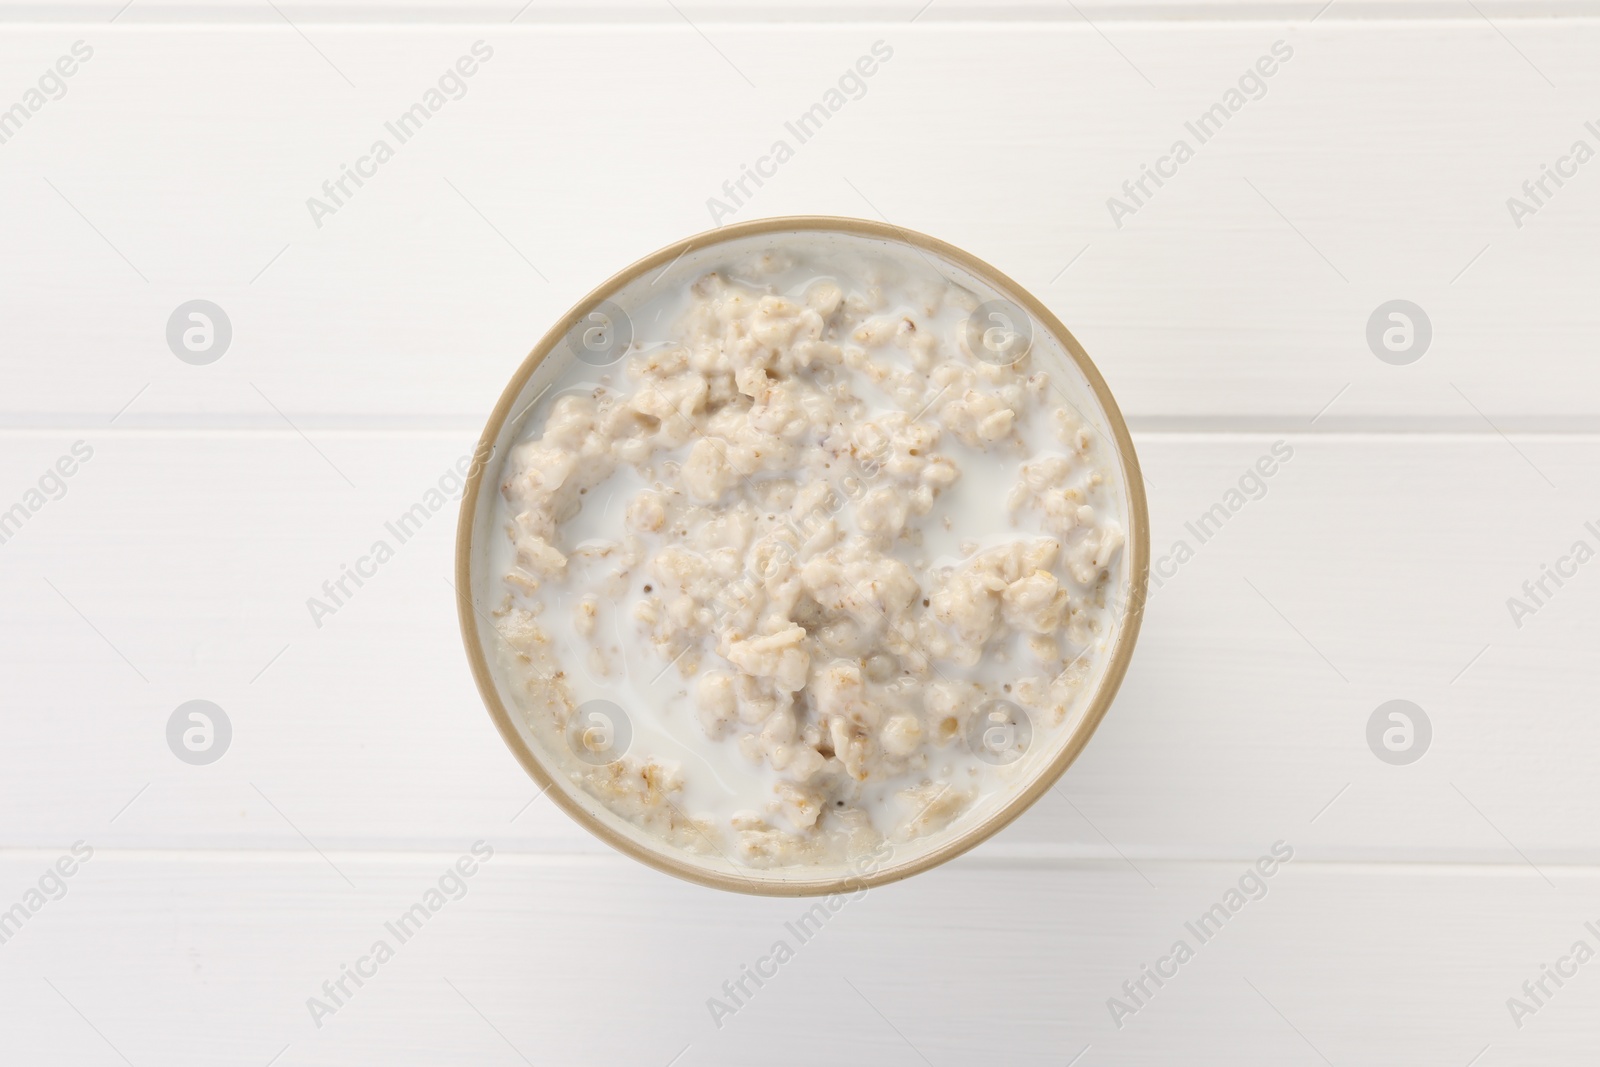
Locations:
(671, 861)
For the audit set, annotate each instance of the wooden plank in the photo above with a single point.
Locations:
(180, 959)
(1229, 312)
(715, 13)
(1377, 166)
(1374, 568)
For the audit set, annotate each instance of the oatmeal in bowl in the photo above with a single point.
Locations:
(804, 555)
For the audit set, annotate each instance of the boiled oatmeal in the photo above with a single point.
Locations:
(824, 560)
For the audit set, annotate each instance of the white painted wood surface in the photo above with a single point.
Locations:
(1227, 314)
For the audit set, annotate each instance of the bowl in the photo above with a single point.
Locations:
(478, 593)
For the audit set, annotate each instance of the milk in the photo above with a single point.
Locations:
(719, 781)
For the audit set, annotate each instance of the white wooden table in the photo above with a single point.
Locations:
(1229, 312)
